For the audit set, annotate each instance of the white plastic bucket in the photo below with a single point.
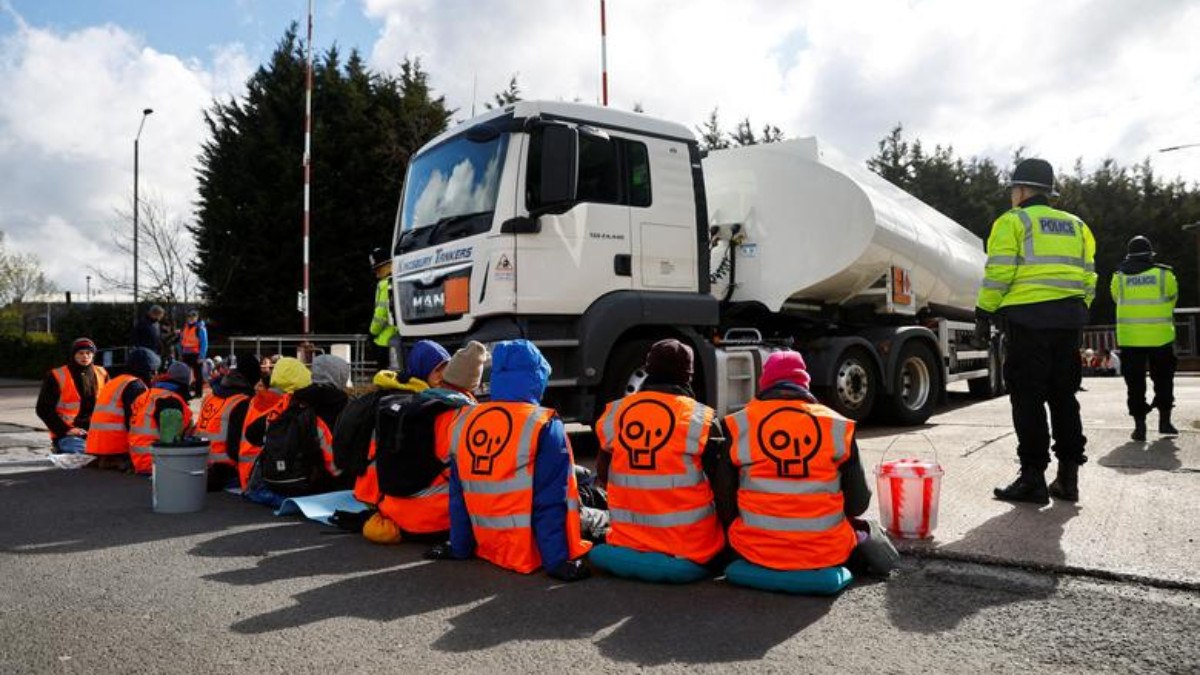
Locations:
(180, 477)
(908, 492)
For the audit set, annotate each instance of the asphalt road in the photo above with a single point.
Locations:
(91, 581)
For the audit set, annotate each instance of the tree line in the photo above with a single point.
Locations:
(366, 126)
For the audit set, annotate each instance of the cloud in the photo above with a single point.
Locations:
(1065, 80)
(72, 104)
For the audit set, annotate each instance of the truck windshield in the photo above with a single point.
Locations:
(456, 180)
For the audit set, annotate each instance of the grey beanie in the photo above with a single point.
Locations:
(180, 373)
(331, 370)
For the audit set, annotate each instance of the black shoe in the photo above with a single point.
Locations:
(1139, 429)
(1164, 424)
(1030, 487)
(1066, 484)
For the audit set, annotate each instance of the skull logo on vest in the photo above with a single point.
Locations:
(646, 427)
(790, 437)
(208, 412)
(487, 437)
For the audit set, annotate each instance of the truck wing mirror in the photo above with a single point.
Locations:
(559, 166)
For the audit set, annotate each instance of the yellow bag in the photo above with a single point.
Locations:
(380, 530)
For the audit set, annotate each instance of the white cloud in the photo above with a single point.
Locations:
(1072, 79)
(67, 122)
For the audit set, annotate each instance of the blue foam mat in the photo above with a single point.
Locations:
(321, 507)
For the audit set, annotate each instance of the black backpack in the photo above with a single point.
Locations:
(405, 457)
(353, 432)
(291, 463)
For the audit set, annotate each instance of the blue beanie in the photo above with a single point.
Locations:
(142, 363)
(423, 358)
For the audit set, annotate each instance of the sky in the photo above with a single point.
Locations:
(1066, 80)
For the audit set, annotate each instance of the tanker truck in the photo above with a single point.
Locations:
(595, 232)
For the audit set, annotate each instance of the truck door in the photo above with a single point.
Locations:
(663, 215)
(584, 252)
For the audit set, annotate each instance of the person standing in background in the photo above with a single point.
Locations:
(193, 342)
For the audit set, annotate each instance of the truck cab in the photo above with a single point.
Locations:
(582, 229)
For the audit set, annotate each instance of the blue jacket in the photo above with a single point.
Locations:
(519, 374)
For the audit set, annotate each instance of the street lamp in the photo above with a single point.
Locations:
(1179, 147)
(136, 208)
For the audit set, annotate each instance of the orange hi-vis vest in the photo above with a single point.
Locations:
(189, 338)
(265, 402)
(69, 400)
(213, 424)
(494, 447)
(659, 499)
(789, 491)
(366, 486)
(107, 434)
(143, 427)
(427, 511)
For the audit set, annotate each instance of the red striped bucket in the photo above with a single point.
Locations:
(908, 492)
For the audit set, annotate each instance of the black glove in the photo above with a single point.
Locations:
(441, 552)
(351, 521)
(983, 330)
(571, 570)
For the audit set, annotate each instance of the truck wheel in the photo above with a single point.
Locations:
(855, 384)
(623, 374)
(916, 386)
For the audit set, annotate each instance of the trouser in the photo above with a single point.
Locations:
(196, 364)
(1042, 369)
(1161, 362)
(383, 357)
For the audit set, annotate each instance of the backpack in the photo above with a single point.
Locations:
(353, 432)
(291, 463)
(406, 459)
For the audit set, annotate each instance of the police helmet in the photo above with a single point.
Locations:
(379, 257)
(1036, 173)
(1139, 246)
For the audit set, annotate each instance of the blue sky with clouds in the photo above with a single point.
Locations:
(1109, 81)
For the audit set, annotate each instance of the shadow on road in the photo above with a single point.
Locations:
(916, 599)
(294, 549)
(1137, 457)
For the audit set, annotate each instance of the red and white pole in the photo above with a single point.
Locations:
(603, 56)
(308, 87)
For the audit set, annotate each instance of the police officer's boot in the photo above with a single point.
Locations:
(1030, 487)
(1066, 484)
(1164, 423)
(1139, 428)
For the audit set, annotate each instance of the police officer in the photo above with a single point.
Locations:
(383, 327)
(1039, 281)
(1145, 293)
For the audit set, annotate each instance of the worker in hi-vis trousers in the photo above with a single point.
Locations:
(1145, 293)
(1039, 282)
(383, 326)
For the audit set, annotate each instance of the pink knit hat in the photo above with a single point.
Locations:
(785, 366)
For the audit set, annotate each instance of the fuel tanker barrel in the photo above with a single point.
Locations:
(820, 229)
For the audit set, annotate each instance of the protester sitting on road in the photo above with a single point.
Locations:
(659, 450)
(169, 391)
(513, 496)
(355, 437)
(327, 397)
(1110, 363)
(287, 376)
(68, 396)
(800, 484)
(108, 435)
(222, 414)
(414, 450)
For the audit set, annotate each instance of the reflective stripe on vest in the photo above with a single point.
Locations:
(107, 433)
(818, 524)
(69, 400)
(671, 519)
(1145, 310)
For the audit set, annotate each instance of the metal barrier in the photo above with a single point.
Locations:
(1187, 323)
(354, 348)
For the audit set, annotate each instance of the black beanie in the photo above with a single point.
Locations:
(248, 367)
(670, 361)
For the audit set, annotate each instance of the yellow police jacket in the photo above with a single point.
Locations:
(1038, 254)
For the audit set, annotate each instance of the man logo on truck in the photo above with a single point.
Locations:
(645, 428)
(790, 437)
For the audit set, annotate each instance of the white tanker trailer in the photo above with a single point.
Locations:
(594, 232)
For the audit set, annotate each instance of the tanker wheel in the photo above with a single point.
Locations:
(855, 384)
(623, 374)
(917, 383)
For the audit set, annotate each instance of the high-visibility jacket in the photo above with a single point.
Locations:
(494, 448)
(264, 402)
(107, 434)
(69, 400)
(659, 499)
(790, 502)
(382, 326)
(213, 424)
(427, 511)
(143, 426)
(189, 338)
(1145, 307)
(1038, 254)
